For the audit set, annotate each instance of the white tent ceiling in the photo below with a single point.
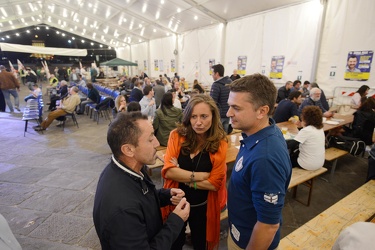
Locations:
(118, 23)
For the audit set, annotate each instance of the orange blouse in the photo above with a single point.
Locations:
(216, 199)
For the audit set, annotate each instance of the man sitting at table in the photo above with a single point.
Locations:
(284, 91)
(314, 100)
(288, 108)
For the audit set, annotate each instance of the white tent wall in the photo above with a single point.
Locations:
(349, 26)
(196, 48)
(162, 50)
(289, 32)
(244, 38)
(139, 54)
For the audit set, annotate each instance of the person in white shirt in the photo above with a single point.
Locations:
(308, 147)
(35, 93)
(148, 106)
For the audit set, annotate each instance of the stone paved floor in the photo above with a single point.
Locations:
(48, 181)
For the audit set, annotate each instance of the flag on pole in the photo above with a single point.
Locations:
(46, 69)
(80, 65)
(13, 70)
(20, 65)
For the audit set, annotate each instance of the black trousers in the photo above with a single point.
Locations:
(2, 102)
(197, 223)
(371, 169)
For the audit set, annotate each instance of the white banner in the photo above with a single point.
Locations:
(42, 50)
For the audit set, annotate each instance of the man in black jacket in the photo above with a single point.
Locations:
(284, 91)
(220, 93)
(127, 206)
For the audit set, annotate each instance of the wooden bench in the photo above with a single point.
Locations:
(305, 177)
(322, 231)
(332, 154)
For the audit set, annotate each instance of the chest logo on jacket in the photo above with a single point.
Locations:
(239, 165)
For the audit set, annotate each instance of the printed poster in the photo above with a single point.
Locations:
(241, 65)
(144, 65)
(156, 65)
(277, 66)
(358, 65)
(136, 67)
(211, 62)
(161, 66)
(173, 65)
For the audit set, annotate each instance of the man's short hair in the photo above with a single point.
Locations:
(296, 82)
(218, 68)
(314, 85)
(294, 94)
(288, 82)
(75, 89)
(124, 130)
(147, 89)
(353, 56)
(261, 90)
(306, 83)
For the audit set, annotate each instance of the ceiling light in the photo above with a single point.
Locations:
(10, 22)
(162, 1)
(144, 8)
(73, 38)
(140, 40)
(63, 34)
(7, 36)
(47, 28)
(101, 45)
(167, 33)
(154, 30)
(195, 17)
(178, 10)
(57, 32)
(4, 12)
(69, 41)
(36, 36)
(90, 5)
(28, 31)
(140, 25)
(92, 44)
(157, 15)
(31, 7)
(82, 41)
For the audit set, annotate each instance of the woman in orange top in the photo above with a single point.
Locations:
(195, 161)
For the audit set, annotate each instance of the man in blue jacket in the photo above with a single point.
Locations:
(220, 93)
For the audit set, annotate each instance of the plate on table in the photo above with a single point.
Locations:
(332, 122)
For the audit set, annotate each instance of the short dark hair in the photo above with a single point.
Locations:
(353, 56)
(124, 130)
(147, 89)
(296, 82)
(89, 85)
(306, 82)
(218, 68)
(260, 89)
(312, 115)
(134, 106)
(294, 94)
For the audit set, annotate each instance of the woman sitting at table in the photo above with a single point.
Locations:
(364, 121)
(120, 105)
(166, 118)
(357, 97)
(195, 161)
(308, 147)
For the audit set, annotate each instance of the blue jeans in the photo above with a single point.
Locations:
(28, 97)
(14, 93)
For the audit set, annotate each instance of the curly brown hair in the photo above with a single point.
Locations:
(312, 115)
(214, 134)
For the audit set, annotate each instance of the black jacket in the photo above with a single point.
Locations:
(220, 94)
(127, 212)
(136, 95)
(363, 126)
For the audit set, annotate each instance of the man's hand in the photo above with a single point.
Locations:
(152, 102)
(177, 194)
(182, 209)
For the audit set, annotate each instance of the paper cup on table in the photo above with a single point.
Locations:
(324, 119)
(284, 130)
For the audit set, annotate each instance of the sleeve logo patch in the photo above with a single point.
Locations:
(271, 198)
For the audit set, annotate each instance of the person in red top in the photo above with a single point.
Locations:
(195, 161)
